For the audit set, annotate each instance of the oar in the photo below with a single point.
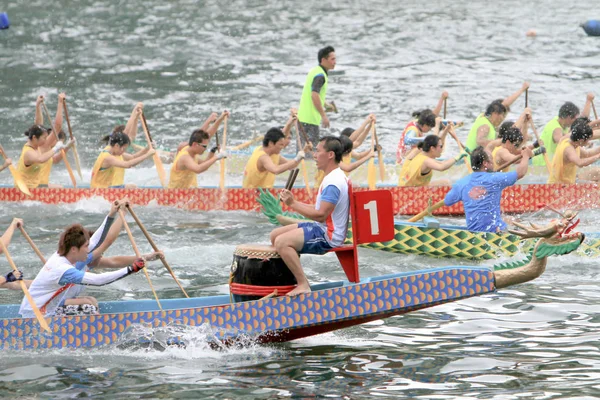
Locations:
(164, 261)
(461, 147)
(32, 244)
(537, 152)
(248, 143)
(303, 164)
(371, 173)
(62, 151)
(526, 97)
(537, 137)
(19, 182)
(427, 211)
(75, 154)
(445, 107)
(222, 171)
(160, 169)
(35, 309)
(137, 254)
(379, 158)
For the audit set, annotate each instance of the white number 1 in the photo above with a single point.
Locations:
(372, 207)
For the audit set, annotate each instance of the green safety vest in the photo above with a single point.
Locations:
(548, 141)
(307, 113)
(479, 122)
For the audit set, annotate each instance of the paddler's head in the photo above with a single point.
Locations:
(567, 114)
(329, 152)
(481, 160)
(274, 141)
(73, 243)
(37, 135)
(118, 142)
(327, 58)
(432, 145)
(496, 112)
(512, 139)
(425, 119)
(198, 142)
(347, 144)
(581, 132)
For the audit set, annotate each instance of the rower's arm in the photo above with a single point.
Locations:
(75, 276)
(33, 157)
(309, 211)
(111, 161)
(590, 152)
(588, 105)
(139, 153)
(482, 134)
(8, 234)
(58, 118)
(213, 128)
(190, 164)
(355, 164)
(316, 100)
(571, 155)
(39, 116)
(436, 165)
(453, 196)
(438, 107)
(492, 144)
(507, 102)
(268, 164)
(113, 225)
(131, 128)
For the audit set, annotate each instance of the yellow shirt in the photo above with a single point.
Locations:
(119, 174)
(497, 161)
(563, 171)
(45, 171)
(31, 174)
(410, 175)
(103, 178)
(182, 179)
(253, 178)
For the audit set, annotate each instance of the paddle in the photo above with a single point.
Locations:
(537, 137)
(35, 309)
(160, 169)
(62, 151)
(445, 101)
(537, 152)
(291, 180)
(222, 177)
(75, 154)
(371, 173)
(248, 143)
(461, 147)
(379, 158)
(145, 232)
(137, 254)
(19, 182)
(32, 244)
(303, 164)
(526, 97)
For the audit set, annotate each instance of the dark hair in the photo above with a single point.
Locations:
(116, 129)
(35, 131)
(513, 135)
(478, 157)
(497, 107)
(74, 236)
(273, 135)
(425, 117)
(118, 138)
(504, 127)
(198, 136)
(347, 132)
(581, 130)
(324, 53)
(332, 143)
(347, 144)
(429, 142)
(568, 110)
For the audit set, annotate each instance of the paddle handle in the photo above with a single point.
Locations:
(62, 151)
(32, 244)
(427, 211)
(537, 137)
(303, 164)
(526, 97)
(379, 157)
(445, 102)
(247, 144)
(34, 307)
(537, 152)
(137, 254)
(154, 246)
(461, 147)
(75, 154)
(222, 169)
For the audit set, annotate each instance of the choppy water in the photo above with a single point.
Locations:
(185, 59)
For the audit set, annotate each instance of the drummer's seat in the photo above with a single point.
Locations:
(376, 207)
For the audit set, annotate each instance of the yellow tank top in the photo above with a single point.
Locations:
(410, 175)
(563, 171)
(497, 161)
(31, 175)
(182, 179)
(347, 159)
(253, 178)
(103, 178)
(119, 174)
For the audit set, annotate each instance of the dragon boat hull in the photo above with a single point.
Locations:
(329, 307)
(406, 200)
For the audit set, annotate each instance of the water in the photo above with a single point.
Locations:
(186, 59)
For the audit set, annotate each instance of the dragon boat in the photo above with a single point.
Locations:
(430, 238)
(250, 315)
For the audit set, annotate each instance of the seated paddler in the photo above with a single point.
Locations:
(481, 191)
(329, 215)
(10, 280)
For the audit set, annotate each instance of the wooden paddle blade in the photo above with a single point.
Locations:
(19, 182)
(372, 174)
(34, 307)
(77, 163)
(75, 154)
(305, 177)
(162, 175)
(427, 211)
(381, 166)
(222, 172)
(69, 169)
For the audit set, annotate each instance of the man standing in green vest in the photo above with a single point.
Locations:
(559, 126)
(311, 112)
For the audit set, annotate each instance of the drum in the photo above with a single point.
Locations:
(257, 271)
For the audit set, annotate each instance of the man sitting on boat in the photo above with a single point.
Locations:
(481, 191)
(512, 139)
(571, 154)
(266, 162)
(423, 122)
(484, 128)
(210, 126)
(57, 286)
(558, 127)
(329, 215)
(420, 163)
(185, 167)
